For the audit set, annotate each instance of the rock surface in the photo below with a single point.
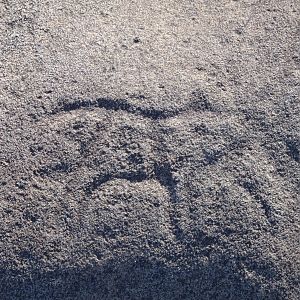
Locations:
(149, 149)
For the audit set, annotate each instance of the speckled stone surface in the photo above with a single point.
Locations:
(149, 149)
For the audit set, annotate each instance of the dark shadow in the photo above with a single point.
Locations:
(139, 278)
(293, 149)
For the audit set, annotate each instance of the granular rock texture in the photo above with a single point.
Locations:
(149, 149)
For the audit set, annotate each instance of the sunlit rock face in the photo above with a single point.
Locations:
(149, 150)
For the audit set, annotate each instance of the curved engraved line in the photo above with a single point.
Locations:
(100, 179)
(116, 105)
(162, 173)
(254, 192)
(199, 102)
